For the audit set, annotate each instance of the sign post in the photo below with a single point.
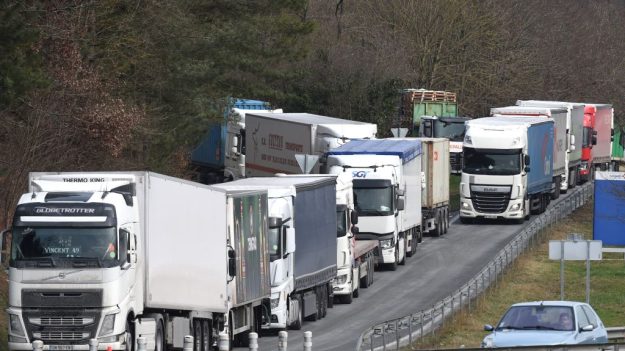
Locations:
(575, 249)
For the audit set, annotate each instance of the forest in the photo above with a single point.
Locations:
(134, 84)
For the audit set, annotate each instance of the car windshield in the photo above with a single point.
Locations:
(538, 318)
(452, 131)
(374, 201)
(54, 246)
(492, 161)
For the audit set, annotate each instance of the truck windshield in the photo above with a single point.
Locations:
(374, 201)
(275, 244)
(454, 131)
(341, 222)
(64, 247)
(492, 161)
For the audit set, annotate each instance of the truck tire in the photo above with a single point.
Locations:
(159, 337)
(299, 320)
(438, 231)
(130, 336)
(197, 335)
(364, 281)
(330, 295)
(403, 260)
(324, 301)
(446, 220)
(207, 341)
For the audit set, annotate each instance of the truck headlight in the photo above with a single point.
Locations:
(15, 325)
(515, 207)
(387, 243)
(275, 302)
(108, 324)
(466, 206)
(341, 279)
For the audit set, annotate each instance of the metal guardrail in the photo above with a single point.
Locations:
(403, 331)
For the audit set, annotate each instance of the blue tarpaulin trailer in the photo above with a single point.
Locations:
(609, 208)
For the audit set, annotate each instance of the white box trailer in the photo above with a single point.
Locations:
(560, 138)
(273, 140)
(139, 254)
(435, 188)
(574, 131)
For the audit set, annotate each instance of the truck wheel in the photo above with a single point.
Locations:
(438, 231)
(299, 319)
(403, 260)
(445, 221)
(206, 336)
(330, 295)
(364, 281)
(130, 336)
(324, 301)
(197, 335)
(159, 337)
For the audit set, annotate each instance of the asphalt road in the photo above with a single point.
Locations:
(439, 267)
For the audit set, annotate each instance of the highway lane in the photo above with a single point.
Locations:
(441, 266)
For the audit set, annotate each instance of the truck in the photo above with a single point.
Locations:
(435, 185)
(561, 137)
(119, 255)
(387, 193)
(302, 243)
(574, 140)
(434, 114)
(497, 179)
(220, 155)
(278, 139)
(604, 128)
(618, 147)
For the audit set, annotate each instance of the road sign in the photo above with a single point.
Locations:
(306, 162)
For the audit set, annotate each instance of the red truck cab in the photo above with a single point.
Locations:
(588, 140)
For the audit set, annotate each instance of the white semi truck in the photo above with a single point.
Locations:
(117, 255)
(302, 245)
(560, 139)
(274, 140)
(387, 193)
(508, 168)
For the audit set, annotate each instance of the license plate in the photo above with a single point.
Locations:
(61, 347)
(490, 217)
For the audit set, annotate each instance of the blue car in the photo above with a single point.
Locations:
(547, 323)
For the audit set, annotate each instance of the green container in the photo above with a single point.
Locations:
(617, 144)
(433, 108)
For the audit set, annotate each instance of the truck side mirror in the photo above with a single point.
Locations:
(4, 249)
(400, 204)
(355, 230)
(594, 138)
(232, 262)
(526, 169)
(354, 217)
(427, 128)
(572, 142)
(400, 192)
(290, 240)
(526, 160)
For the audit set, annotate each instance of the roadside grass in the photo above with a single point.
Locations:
(534, 277)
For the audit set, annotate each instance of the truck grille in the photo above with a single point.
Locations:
(487, 202)
(61, 321)
(60, 336)
(61, 326)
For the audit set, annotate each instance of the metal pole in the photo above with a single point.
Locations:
(562, 270)
(588, 271)
(253, 341)
(188, 343)
(141, 343)
(37, 345)
(396, 334)
(308, 341)
(283, 337)
(93, 344)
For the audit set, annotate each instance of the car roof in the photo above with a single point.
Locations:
(550, 303)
